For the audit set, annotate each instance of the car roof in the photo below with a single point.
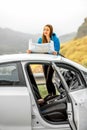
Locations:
(38, 57)
(32, 57)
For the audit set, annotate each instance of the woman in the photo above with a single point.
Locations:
(49, 37)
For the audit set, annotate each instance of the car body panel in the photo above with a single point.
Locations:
(15, 108)
(79, 100)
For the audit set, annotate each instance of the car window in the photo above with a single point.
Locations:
(72, 77)
(9, 74)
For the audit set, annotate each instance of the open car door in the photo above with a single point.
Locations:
(76, 104)
(79, 103)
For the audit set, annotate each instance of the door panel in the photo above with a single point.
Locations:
(79, 100)
(15, 108)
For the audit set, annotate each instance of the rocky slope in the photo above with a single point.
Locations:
(82, 30)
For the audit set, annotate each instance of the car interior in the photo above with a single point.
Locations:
(54, 108)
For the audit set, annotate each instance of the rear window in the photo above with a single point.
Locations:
(11, 74)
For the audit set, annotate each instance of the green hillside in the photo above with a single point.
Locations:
(76, 50)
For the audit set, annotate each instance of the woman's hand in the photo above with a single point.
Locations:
(28, 51)
(54, 52)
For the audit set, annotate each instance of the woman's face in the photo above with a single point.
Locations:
(46, 31)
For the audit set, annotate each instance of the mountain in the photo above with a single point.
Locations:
(82, 30)
(76, 50)
(17, 42)
(67, 37)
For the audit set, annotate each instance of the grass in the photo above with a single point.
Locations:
(76, 50)
(43, 90)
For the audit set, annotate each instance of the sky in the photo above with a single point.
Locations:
(30, 16)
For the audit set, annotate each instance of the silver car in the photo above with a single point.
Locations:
(20, 88)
